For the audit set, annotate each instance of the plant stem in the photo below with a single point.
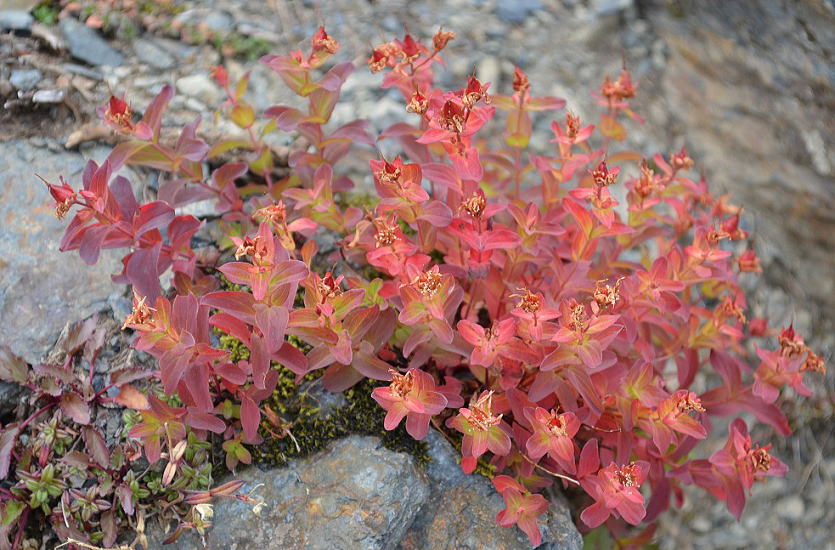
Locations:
(547, 471)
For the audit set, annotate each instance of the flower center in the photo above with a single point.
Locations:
(528, 301)
(401, 384)
(428, 283)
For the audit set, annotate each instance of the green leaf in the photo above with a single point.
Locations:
(10, 511)
(227, 145)
(598, 539)
(518, 130)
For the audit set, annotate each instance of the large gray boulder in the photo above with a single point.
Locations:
(360, 495)
(41, 288)
(464, 507)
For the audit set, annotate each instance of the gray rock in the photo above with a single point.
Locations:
(9, 397)
(219, 21)
(356, 494)
(148, 51)
(791, 508)
(25, 79)
(201, 87)
(48, 96)
(602, 8)
(490, 70)
(41, 289)
(15, 20)
(758, 116)
(463, 510)
(82, 70)
(516, 11)
(360, 495)
(85, 44)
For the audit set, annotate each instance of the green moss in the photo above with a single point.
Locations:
(46, 13)
(226, 284)
(312, 431)
(363, 201)
(237, 350)
(406, 228)
(437, 256)
(299, 344)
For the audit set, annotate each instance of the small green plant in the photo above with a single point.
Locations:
(46, 13)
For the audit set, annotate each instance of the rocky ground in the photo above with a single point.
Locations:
(749, 88)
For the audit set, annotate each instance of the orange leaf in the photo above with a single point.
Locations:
(132, 398)
(633, 156)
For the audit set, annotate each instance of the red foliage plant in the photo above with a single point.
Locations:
(579, 301)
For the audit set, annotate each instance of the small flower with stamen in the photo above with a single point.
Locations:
(328, 287)
(553, 434)
(442, 38)
(483, 430)
(387, 231)
(616, 492)
(604, 177)
(378, 60)
(118, 114)
(452, 117)
(606, 295)
(412, 396)
(428, 283)
(141, 315)
(680, 160)
(475, 205)
(276, 214)
(322, 41)
(418, 104)
(475, 92)
(521, 84)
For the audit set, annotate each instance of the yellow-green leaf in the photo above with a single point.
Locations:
(611, 128)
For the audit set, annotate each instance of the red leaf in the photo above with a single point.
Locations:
(589, 459)
(154, 112)
(95, 445)
(152, 216)
(611, 128)
(75, 407)
(238, 304)
(250, 417)
(436, 213)
(12, 368)
(7, 441)
(584, 219)
(129, 374)
(204, 421)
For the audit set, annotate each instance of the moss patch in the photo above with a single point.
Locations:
(313, 431)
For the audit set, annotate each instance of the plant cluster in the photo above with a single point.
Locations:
(64, 466)
(575, 317)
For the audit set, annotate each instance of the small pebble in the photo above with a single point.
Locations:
(15, 20)
(791, 508)
(25, 79)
